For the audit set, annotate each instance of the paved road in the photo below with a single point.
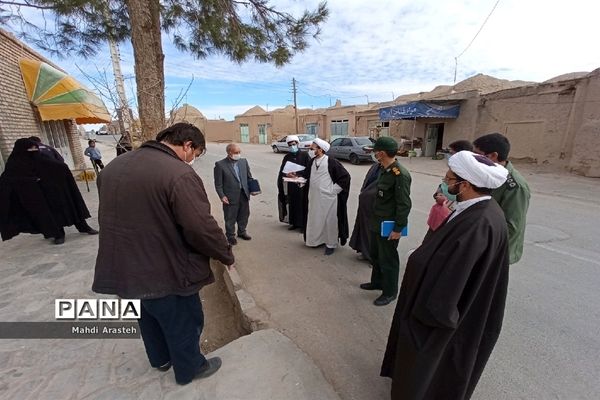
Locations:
(549, 347)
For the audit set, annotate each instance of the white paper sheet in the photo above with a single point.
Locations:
(298, 179)
(290, 167)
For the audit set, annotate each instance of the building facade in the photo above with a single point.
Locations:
(19, 118)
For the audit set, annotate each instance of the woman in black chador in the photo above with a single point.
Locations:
(39, 195)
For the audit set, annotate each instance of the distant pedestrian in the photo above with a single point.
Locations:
(124, 144)
(328, 188)
(157, 239)
(513, 197)
(47, 151)
(94, 154)
(290, 195)
(231, 176)
(451, 303)
(361, 233)
(392, 205)
(39, 195)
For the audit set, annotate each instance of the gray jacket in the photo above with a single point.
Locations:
(226, 181)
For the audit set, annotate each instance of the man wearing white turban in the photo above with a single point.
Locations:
(451, 302)
(328, 189)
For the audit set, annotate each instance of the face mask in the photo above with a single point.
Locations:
(236, 157)
(444, 190)
(191, 162)
(312, 153)
(294, 148)
(374, 157)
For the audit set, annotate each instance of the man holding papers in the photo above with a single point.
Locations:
(328, 185)
(291, 195)
(390, 210)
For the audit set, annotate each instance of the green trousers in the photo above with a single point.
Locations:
(386, 264)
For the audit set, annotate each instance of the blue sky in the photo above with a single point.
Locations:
(379, 50)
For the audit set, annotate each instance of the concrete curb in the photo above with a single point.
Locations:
(253, 318)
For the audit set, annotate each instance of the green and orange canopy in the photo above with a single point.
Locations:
(59, 96)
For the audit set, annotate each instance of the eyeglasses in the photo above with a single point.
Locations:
(446, 180)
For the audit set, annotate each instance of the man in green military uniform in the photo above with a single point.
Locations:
(392, 203)
(513, 197)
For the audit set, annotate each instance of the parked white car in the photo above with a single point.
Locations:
(281, 144)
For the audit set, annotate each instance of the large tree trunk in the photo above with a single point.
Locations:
(144, 16)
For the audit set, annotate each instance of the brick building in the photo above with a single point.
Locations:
(19, 117)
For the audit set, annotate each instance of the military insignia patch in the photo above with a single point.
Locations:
(396, 171)
(511, 182)
(380, 193)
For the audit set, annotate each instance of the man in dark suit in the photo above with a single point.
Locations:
(231, 182)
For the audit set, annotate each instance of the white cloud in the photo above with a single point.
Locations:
(378, 48)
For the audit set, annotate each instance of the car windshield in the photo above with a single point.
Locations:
(304, 138)
(363, 141)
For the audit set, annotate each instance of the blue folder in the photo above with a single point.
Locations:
(388, 226)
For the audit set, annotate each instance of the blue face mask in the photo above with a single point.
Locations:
(294, 148)
(444, 190)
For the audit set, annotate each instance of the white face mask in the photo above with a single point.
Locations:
(294, 148)
(374, 157)
(191, 162)
(236, 157)
(312, 153)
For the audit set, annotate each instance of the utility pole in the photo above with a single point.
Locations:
(295, 104)
(122, 107)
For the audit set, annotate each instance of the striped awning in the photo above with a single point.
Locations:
(59, 96)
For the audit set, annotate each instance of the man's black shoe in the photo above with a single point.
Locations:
(245, 236)
(292, 227)
(384, 300)
(232, 241)
(329, 251)
(369, 286)
(165, 367)
(59, 240)
(211, 366)
(90, 231)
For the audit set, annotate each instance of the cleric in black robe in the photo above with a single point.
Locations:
(290, 197)
(360, 239)
(451, 303)
(39, 195)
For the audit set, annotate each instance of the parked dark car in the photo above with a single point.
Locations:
(351, 148)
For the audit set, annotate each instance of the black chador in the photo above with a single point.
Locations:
(38, 195)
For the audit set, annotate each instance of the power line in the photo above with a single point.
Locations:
(472, 40)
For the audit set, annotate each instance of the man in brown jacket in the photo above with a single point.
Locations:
(157, 239)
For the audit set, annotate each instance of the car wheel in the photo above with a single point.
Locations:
(275, 149)
(354, 159)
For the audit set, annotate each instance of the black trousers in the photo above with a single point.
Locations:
(239, 213)
(97, 164)
(171, 328)
(386, 264)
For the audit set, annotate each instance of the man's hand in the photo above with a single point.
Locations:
(291, 175)
(225, 200)
(394, 236)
